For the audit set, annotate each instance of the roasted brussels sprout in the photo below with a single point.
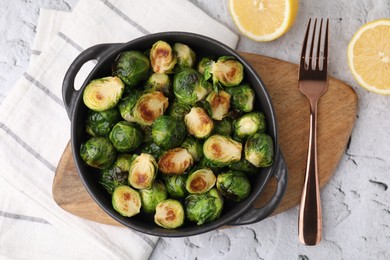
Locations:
(178, 110)
(131, 67)
(126, 201)
(153, 149)
(243, 97)
(223, 127)
(149, 106)
(221, 150)
(125, 136)
(100, 123)
(200, 181)
(219, 104)
(143, 171)
(151, 197)
(194, 147)
(185, 55)
(168, 132)
(198, 123)
(162, 58)
(233, 185)
(176, 185)
(204, 64)
(190, 87)
(117, 173)
(249, 124)
(227, 71)
(203, 208)
(104, 93)
(169, 214)
(175, 161)
(98, 152)
(259, 150)
(127, 104)
(159, 82)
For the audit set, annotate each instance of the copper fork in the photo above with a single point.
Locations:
(313, 79)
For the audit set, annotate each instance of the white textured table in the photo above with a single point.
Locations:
(356, 202)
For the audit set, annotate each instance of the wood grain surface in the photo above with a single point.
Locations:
(336, 117)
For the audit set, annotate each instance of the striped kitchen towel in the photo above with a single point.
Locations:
(34, 128)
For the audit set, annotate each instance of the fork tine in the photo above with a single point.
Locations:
(325, 62)
(312, 46)
(317, 66)
(303, 53)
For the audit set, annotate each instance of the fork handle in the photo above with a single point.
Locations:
(310, 216)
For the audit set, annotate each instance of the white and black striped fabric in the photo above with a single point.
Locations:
(34, 128)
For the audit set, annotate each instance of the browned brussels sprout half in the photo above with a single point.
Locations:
(219, 104)
(125, 136)
(126, 201)
(185, 55)
(149, 107)
(100, 123)
(233, 185)
(151, 197)
(98, 152)
(259, 150)
(143, 171)
(169, 214)
(168, 132)
(200, 181)
(131, 67)
(117, 174)
(243, 97)
(221, 150)
(162, 57)
(175, 161)
(159, 82)
(198, 123)
(249, 124)
(104, 93)
(227, 71)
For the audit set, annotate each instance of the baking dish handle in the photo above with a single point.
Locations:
(69, 93)
(254, 215)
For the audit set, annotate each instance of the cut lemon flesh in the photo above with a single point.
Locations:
(263, 20)
(369, 56)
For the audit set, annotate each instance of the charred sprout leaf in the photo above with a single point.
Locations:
(100, 123)
(162, 58)
(198, 123)
(169, 214)
(143, 171)
(126, 201)
(104, 93)
(222, 150)
(159, 82)
(98, 152)
(149, 107)
(131, 67)
(227, 71)
(190, 87)
(233, 185)
(178, 110)
(243, 97)
(151, 197)
(200, 181)
(204, 65)
(203, 208)
(175, 161)
(249, 124)
(243, 165)
(194, 147)
(185, 55)
(223, 127)
(117, 174)
(219, 104)
(125, 136)
(127, 104)
(259, 150)
(168, 132)
(176, 185)
(152, 149)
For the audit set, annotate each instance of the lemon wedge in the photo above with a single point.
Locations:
(263, 20)
(369, 56)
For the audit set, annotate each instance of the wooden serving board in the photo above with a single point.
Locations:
(336, 114)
